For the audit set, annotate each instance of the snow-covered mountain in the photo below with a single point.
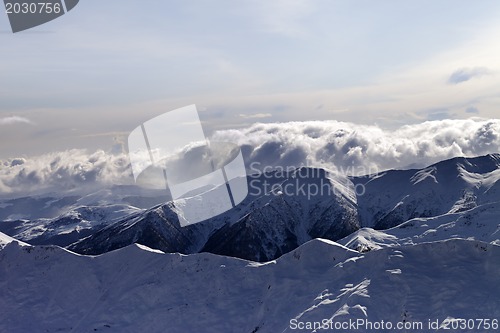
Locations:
(479, 223)
(417, 247)
(5, 239)
(264, 226)
(70, 226)
(282, 211)
(62, 219)
(51, 205)
(137, 289)
(309, 203)
(450, 186)
(287, 209)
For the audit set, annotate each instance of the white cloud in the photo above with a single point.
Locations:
(14, 120)
(256, 115)
(346, 147)
(67, 170)
(363, 148)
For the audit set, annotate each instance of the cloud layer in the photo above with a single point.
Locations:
(62, 171)
(346, 147)
(14, 120)
(363, 149)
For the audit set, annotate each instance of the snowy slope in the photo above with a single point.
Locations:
(136, 289)
(4, 240)
(70, 226)
(64, 218)
(51, 205)
(453, 185)
(480, 223)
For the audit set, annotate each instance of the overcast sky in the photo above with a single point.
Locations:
(88, 78)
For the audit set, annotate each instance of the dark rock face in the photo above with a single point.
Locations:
(272, 221)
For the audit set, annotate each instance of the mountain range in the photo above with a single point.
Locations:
(417, 249)
(138, 289)
(283, 211)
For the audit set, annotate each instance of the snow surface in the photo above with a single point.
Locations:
(68, 227)
(51, 205)
(4, 240)
(419, 245)
(134, 289)
(480, 223)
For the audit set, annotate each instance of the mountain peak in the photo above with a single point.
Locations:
(5, 240)
(479, 164)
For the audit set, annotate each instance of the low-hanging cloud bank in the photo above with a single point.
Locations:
(62, 171)
(346, 147)
(14, 120)
(359, 149)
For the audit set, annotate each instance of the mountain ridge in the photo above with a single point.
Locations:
(136, 288)
(269, 225)
(279, 214)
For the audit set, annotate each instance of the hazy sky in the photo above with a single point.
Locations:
(91, 76)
